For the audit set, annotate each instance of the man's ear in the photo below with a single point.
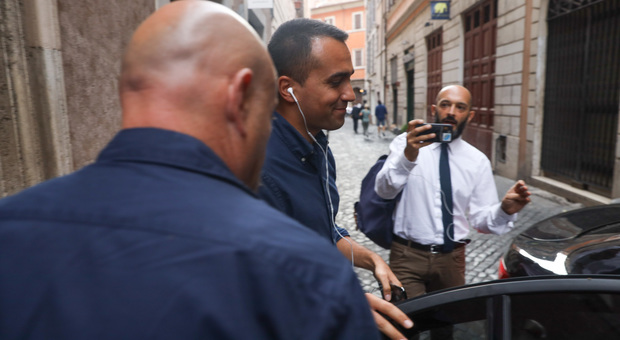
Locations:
(433, 110)
(472, 114)
(284, 82)
(238, 95)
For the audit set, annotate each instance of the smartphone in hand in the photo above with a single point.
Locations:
(398, 293)
(443, 132)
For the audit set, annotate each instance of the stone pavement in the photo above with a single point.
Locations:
(355, 154)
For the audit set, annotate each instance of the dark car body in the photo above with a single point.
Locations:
(581, 241)
(543, 307)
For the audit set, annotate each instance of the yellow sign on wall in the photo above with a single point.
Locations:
(440, 10)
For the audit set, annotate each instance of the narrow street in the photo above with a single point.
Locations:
(355, 154)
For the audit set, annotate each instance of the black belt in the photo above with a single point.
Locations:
(433, 248)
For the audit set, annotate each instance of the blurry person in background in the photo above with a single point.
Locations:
(380, 114)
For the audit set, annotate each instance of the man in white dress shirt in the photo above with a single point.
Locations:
(425, 256)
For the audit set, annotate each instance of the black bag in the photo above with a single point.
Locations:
(373, 214)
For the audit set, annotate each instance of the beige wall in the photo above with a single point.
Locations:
(59, 63)
(412, 37)
(32, 100)
(58, 95)
(93, 36)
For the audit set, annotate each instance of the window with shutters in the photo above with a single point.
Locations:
(479, 72)
(357, 21)
(358, 57)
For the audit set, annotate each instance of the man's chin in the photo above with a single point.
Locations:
(340, 122)
(336, 122)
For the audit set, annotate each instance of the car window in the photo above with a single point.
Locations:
(460, 320)
(565, 316)
(527, 316)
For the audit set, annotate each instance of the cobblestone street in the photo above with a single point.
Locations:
(355, 154)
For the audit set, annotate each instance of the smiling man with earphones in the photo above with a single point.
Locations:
(446, 187)
(299, 175)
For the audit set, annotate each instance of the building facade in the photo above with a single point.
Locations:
(544, 74)
(349, 16)
(376, 52)
(59, 64)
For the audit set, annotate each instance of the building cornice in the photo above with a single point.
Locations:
(401, 16)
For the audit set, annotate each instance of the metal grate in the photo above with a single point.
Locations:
(582, 96)
(558, 8)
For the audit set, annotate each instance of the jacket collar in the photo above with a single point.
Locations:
(168, 148)
(293, 140)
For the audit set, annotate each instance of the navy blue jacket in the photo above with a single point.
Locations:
(158, 240)
(293, 179)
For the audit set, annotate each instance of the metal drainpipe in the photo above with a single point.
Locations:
(525, 89)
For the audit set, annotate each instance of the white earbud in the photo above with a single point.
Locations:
(331, 207)
(290, 90)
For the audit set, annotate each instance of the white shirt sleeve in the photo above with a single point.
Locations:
(392, 178)
(485, 212)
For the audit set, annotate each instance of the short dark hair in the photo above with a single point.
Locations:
(290, 46)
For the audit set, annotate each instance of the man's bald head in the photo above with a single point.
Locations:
(465, 92)
(198, 68)
(184, 37)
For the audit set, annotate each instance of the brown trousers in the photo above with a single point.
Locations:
(423, 272)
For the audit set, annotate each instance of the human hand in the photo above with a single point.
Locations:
(516, 198)
(415, 141)
(386, 277)
(381, 308)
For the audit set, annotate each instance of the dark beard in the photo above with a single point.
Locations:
(459, 127)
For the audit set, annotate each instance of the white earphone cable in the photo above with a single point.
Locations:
(443, 198)
(327, 188)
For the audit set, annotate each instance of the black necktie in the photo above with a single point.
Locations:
(446, 202)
